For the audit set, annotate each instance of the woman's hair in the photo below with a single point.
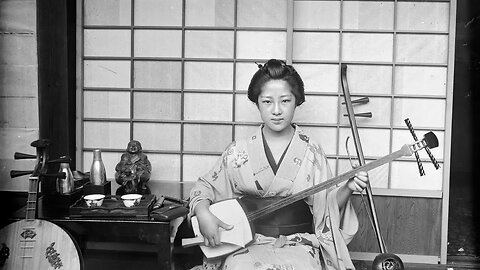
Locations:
(276, 70)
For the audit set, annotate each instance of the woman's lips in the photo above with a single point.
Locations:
(277, 120)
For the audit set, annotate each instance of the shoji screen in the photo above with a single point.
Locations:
(173, 74)
(397, 55)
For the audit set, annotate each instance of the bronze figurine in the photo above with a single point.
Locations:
(134, 170)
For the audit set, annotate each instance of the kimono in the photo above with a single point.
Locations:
(244, 168)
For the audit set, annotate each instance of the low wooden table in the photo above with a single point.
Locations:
(120, 238)
(119, 243)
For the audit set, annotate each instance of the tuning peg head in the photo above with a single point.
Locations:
(367, 115)
(18, 155)
(431, 140)
(363, 100)
(14, 173)
(62, 159)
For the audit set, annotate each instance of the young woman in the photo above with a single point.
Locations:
(279, 160)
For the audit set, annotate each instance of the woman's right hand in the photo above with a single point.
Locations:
(210, 226)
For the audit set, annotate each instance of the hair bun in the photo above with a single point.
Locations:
(275, 68)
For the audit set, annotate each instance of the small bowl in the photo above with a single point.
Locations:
(130, 200)
(94, 200)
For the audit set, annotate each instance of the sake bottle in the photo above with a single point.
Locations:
(65, 185)
(98, 174)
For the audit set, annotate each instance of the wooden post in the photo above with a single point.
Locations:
(56, 79)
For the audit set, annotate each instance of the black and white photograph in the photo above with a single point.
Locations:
(239, 134)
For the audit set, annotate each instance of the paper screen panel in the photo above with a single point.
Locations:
(208, 44)
(211, 13)
(316, 14)
(267, 45)
(112, 135)
(151, 43)
(262, 13)
(365, 15)
(158, 13)
(157, 106)
(107, 12)
(165, 167)
(157, 74)
(423, 16)
(315, 46)
(367, 47)
(421, 80)
(112, 42)
(422, 112)
(112, 73)
(208, 75)
(101, 104)
(432, 49)
(209, 138)
(208, 107)
(158, 136)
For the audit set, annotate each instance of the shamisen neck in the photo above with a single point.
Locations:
(404, 151)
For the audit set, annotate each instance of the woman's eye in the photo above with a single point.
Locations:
(286, 100)
(266, 101)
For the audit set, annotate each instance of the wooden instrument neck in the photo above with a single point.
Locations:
(327, 184)
(31, 209)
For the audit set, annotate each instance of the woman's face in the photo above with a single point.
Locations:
(276, 104)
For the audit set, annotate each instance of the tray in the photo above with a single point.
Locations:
(113, 207)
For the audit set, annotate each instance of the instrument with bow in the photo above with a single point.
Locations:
(33, 243)
(384, 260)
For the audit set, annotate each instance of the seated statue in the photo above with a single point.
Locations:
(134, 170)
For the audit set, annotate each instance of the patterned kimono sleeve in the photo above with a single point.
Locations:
(215, 185)
(334, 231)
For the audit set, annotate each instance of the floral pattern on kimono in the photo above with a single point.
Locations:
(244, 169)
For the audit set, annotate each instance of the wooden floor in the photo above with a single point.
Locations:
(147, 262)
(361, 265)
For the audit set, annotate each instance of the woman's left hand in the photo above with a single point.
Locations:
(359, 182)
